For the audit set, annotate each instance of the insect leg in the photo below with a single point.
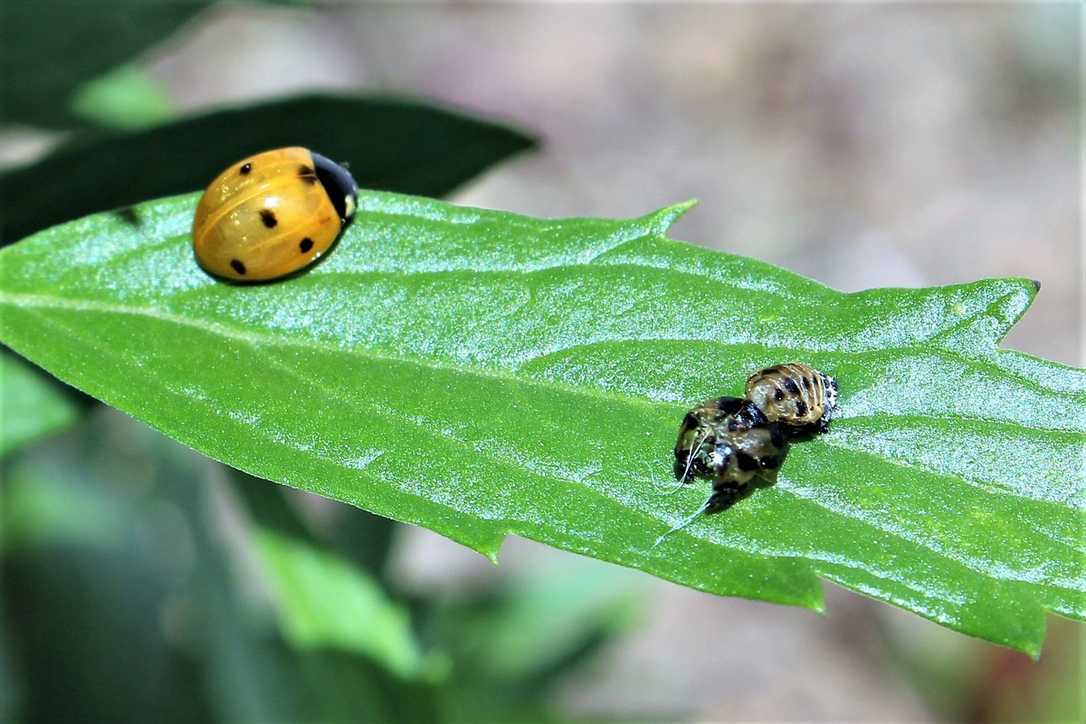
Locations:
(701, 509)
(662, 488)
(722, 498)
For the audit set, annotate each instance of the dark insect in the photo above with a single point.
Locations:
(795, 395)
(730, 441)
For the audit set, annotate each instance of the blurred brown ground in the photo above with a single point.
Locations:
(862, 145)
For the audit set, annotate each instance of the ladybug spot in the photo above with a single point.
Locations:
(268, 217)
(237, 266)
(305, 173)
(246, 168)
(306, 244)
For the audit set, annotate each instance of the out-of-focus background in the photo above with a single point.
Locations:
(862, 145)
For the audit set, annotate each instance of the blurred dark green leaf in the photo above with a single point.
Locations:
(31, 405)
(49, 48)
(391, 144)
(482, 373)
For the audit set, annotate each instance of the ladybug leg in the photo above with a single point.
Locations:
(662, 487)
(718, 500)
(722, 498)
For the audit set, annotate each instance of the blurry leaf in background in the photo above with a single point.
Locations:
(391, 144)
(323, 600)
(325, 603)
(483, 373)
(151, 621)
(147, 622)
(513, 645)
(31, 405)
(40, 507)
(49, 48)
(126, 98)
(86, 607)
(541, 618)
(11, 693)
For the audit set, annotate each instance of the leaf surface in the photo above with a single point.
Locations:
(481, 373)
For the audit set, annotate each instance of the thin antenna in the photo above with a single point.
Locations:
(704, 507)
(690, 457)
(664, 488)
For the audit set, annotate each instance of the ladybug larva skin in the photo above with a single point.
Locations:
(728, 441)
(795, 395)
(731, 440)
(272, 214)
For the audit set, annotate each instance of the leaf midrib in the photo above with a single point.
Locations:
(229, 331)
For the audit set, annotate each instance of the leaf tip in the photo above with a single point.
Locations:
(662, 219)
(489, 546)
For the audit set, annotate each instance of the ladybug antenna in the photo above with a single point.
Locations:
(663, 489)
(690, 457)
(697, 513)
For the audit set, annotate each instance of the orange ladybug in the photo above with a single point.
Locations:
(272, 214)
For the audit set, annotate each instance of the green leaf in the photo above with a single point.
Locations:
(125, 98)
(392, 144)
(38, 508)
(544, 619)
(31, 406)
(323, 601)
(48, 48)
(481, 374)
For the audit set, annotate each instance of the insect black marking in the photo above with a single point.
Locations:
(801, 408)
(246, 168)
(746, 462)
(306, 244)
(305, 173)
(771, 463)
(807, 382)
(268, 217)
(778, 394)
(237, 266)
(730, 405)
(790, 385)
